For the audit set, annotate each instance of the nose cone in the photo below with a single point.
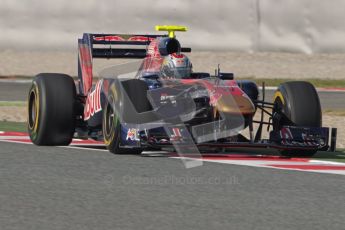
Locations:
(236, 104)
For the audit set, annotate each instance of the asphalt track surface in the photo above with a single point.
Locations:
(10, 91)
(68, 188)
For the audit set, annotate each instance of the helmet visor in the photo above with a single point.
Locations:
(177, 72)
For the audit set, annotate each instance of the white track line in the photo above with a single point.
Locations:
(337, 172)
(84, 148)
(328, 162)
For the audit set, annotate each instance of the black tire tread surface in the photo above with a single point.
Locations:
(56, 123)
(302, 103)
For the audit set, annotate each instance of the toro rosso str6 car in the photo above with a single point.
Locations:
(167, 104)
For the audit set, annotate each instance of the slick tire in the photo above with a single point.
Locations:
(299, 105)
(51, 109)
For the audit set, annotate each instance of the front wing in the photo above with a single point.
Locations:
(287, 138)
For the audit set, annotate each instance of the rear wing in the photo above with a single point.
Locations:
(107, 46)
(110, 46)
(113, 41)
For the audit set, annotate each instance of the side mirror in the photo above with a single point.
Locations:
(199, 75)
(226, 76)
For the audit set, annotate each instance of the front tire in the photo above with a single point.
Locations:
(51, 109)
(297, 104)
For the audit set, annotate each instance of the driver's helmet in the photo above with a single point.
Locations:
(176, 66)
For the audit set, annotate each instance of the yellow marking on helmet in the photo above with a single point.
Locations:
(171, 29)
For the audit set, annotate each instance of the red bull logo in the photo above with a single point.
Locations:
(140, 38)
(93, 102)
(108, 38)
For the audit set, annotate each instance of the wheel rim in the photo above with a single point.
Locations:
(33, 110)
(280, 108)
(110, 117)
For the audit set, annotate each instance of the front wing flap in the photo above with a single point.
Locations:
(301, 136)
(287, 138)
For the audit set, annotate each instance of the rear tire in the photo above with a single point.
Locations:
(299, 105)
(51, 109)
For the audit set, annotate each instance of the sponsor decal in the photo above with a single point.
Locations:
(308, 140)
(152, 50)
(286, 135)
(93, 101)
(108, 38)
(153, 60)
(132, 135)
(176, 135)
(303, 139)
(140, 38)
(165, 97)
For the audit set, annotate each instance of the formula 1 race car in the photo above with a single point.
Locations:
(165, 104)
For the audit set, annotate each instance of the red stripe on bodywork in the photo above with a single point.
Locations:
(86, 67)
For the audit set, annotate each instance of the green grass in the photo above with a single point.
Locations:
(13, 103)
(322, 83)
(338, 156)
(13, 126)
